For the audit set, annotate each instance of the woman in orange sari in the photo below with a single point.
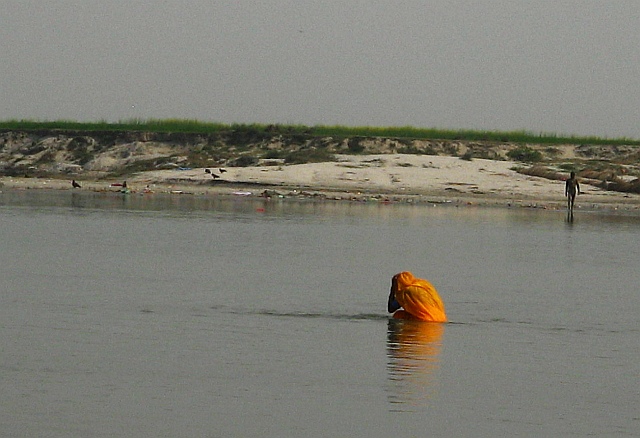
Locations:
(418, 299)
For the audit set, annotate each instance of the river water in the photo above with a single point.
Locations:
(165, 316)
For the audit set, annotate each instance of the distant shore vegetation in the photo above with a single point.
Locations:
(407, 132)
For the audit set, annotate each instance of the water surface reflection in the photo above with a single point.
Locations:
(413, 349)
(135, 315)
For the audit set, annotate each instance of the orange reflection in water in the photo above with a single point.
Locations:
(413, 348)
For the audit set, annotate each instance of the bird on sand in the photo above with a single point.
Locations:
(75, 185)
(207, 171)
(215, 176)
(222, 170)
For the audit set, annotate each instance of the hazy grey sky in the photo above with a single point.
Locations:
(553, 66)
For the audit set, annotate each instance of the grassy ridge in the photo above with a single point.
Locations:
(195, 126)
(169, 125)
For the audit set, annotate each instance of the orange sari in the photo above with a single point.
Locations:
(418, 299)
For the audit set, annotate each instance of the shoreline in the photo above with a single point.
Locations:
(389, 178)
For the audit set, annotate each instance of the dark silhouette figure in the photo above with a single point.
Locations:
(392, 303)
(124, 185)
(75, 185)
(222, 170)
(571, 189)
(215, 176)
(207, 171)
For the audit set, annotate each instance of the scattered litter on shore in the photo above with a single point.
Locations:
(420, 180)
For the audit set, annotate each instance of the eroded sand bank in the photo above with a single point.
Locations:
(388, 177)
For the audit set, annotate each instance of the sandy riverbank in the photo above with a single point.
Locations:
(388, 177)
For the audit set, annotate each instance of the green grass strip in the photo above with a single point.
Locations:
(405, 132)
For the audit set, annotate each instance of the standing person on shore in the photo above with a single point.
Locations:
(571, 189)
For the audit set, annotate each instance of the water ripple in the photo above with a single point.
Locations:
(310, 315)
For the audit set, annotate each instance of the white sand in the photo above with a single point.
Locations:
(437, 177)
(448, 177)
